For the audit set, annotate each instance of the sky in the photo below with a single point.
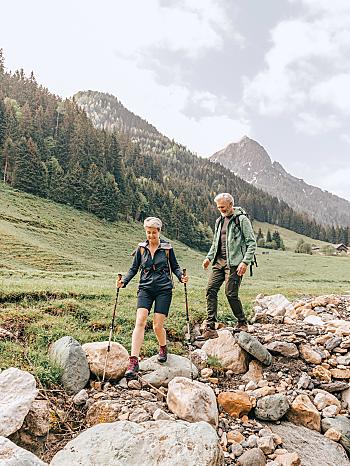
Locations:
(205, 73)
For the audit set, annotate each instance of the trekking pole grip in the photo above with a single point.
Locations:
(120, 276)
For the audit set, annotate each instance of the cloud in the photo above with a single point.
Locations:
(313, 124)
(333, 92)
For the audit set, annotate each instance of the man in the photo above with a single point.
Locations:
(231, 252)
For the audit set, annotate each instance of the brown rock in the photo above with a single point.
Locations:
(235, 403)
(288, 459)
(333, 434)
(340, 373)
(309, 354)
(234, 436)
(322, 373)
(37, 421)
(324, 399)
(304, 413)
(103, 411)
(255, 372)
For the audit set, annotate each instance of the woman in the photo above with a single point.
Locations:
(157, 261)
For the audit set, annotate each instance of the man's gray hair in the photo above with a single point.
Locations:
(225, 197)
(153, 222)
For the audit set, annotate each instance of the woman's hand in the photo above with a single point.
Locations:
(120, 282)
(184, 278)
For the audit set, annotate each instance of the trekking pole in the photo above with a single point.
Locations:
(111, 329)
(188, 334)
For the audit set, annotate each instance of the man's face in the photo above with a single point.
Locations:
(225, 208)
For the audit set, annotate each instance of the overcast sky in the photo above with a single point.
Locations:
(204, 72)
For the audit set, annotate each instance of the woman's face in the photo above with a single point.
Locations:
(152, 234)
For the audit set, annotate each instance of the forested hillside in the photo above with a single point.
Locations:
(49, 147)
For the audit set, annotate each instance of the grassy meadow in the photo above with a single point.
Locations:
(58, 268)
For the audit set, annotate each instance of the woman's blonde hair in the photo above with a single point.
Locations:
(153, 222)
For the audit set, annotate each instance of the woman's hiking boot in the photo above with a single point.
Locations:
(133, 368)
(163, 354)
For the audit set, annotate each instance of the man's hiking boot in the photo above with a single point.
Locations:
(163, 354)
(241, 327)
(208, 334)
(133, 368)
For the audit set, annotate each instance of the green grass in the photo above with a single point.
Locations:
(58, 269)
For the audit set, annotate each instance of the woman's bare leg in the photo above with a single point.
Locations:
(158, 327)
(139, 331)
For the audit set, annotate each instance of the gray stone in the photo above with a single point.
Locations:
(333, 387)
(17, 393)
(344, 360)
(272, 407)
(340, 424)
(170, 443)
(161, 374)
(284, 348)
(12, 455)
(332, 343)
(312, 447)
(252, 457)
(70, 356)
(255, 348)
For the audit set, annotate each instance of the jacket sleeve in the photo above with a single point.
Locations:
(174, 264)
(134, 267)
(211, 252)
(249, 240)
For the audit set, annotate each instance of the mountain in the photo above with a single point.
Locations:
(250, 161)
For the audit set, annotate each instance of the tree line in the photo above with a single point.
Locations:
(50, 148)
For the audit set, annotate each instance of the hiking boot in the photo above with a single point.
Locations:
(133, 368)
(241, 327)
(163, 354)
(208, 334)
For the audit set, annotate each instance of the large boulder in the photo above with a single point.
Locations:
(253, 346)
(69, 355)
(17, 393)
(160, 374)
(228, 352)
(304, 413)
(12, 455)
(312, 447)
(170, 443)
(272, 407)
(117, 359)
(342, 425)
(192, 401)
(275, 305)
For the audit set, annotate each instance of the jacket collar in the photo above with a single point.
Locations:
(163, 244)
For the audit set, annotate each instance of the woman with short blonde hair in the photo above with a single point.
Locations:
(156, 260)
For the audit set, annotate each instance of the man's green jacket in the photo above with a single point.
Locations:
(240, 241)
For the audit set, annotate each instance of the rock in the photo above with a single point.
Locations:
(37, 421)
(330, 411)
(199, 358)
(236, 404)
(192, 401)
(334, 386)
(324, 399)
(322, 373)
(234, 436)
(272, 407)
(161, 374)
(289, 350)
(255, 348)
(17, 393)
(69, 355)
(251, 457)
(206, 372)
(304, 381)
(12, 455)
(81, 397)
(228, 352)
(304, 413)
(160, 415)
(342, 425)
(310, 355)
(333, 434)
(117, 361)
(236, 449)
(344, 360)
(288, 459)
(340, 373)
(140, 415)
(266, 444)
(103, 411)
(345, 396)
(333, 343)
(263, 391)
(312, 447)
(255, 372)
(170, 443)
(275, 305)
(314, 320)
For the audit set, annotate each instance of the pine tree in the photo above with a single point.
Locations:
(260, 235)
(268, 237)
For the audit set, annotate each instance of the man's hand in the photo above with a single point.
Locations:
(206, 262)
(241, 269)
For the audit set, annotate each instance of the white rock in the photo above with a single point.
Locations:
(17, 393)
(168, 443)
(313, 320)
(275, 305)
(160, 374)
(228, 352)
(192, 401)
(12, 455)
(117, 361)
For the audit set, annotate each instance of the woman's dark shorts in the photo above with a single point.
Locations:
(161, 298)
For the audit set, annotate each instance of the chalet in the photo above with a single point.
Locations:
(340, 247)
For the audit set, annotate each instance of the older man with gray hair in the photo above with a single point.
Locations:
(231, 252)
